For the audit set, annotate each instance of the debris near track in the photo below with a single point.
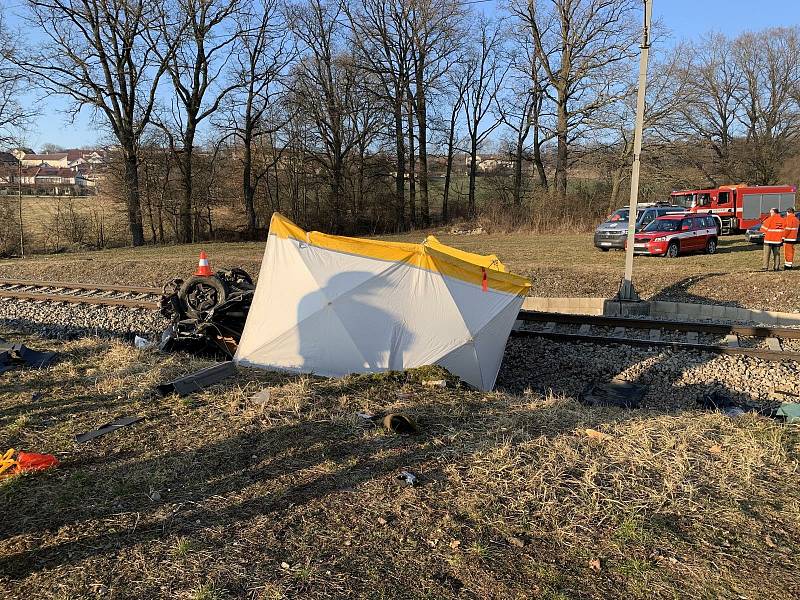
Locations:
(19, 355)
(206, 311)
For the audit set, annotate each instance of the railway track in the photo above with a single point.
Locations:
(128, 296)
(767, 343)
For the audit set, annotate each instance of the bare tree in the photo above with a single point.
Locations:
(253, 111)
(436, 36)
(456, 83)
(204, 35)
(13, 114)
(327, 88)
(667, 94)
(769, 62)
(521, 107)
(382, 34)
(713, 101)
(486, 68)
(579, 43)
(106, 56)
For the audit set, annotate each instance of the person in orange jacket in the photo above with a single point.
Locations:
(791, 224)
(773, 239)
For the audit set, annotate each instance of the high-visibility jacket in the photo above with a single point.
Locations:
(773, 229)
(790, 226)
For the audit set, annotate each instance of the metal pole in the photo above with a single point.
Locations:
(626, 290)
(19, 198)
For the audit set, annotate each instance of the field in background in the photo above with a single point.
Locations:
(558, 265)
(58, 223)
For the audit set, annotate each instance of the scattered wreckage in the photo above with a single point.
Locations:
(207, 311)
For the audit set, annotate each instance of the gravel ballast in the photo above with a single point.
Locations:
(58, 320)
(675, 380)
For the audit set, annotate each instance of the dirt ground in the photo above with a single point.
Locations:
(219, 496)
(557, 266)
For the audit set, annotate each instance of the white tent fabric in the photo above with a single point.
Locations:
(333, 305)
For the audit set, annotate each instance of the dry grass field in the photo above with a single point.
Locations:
(217, 496)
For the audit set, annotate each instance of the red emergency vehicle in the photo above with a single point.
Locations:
(736, 207)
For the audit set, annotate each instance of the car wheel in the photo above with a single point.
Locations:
(604, 249)
(199, 295)
(672, 250)
(711, 246)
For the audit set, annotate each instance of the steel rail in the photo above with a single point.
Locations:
(788, 333)
(771, 355)
(99, 300)
(84, 293)
(135, 289)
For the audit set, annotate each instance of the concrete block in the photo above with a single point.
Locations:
(662, 307)
(689, 309)
(731, 340)
(691, 337)
(764, 316)
(774, 344)
(732, 313)
(718, 312)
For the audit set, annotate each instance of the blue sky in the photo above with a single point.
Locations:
(683, 18)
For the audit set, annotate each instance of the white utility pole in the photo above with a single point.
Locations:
(626, 290)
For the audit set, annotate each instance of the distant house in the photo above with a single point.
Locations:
(8, 176)
(20, 152)
(55, 159)
(82, 157)
(43, 181)
(8, 160)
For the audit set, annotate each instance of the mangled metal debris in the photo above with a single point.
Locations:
(206, 311)
(19, 355)
(107, 428)
(616, 392)
(183, 386)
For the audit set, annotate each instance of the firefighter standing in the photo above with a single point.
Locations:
(773, 238)
(790, 226)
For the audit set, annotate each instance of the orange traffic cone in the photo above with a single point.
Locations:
(203, 268)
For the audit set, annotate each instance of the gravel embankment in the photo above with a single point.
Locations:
(68, 321)
(675, 380)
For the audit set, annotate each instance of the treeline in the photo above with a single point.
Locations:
(373, 115)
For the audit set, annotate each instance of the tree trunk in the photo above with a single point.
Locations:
(617, 177)
(518, 170)
(337, 178)
(562, 152)
(473, 169)
(132, 196)
(248, 191)
(422, 134)
(185, 227)
(400, 184)
(537, 144)
(451, 137)
(412, 181)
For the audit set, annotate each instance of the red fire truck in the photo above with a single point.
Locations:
(736, 207)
